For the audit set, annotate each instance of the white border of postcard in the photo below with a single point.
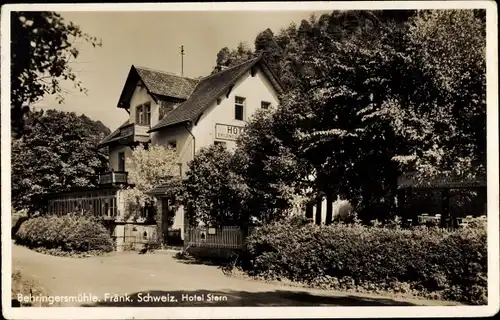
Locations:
(261, 312)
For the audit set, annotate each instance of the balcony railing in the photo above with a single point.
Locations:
(113, 177)
(134, 133)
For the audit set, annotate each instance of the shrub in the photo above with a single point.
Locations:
(427, 261)
(68, 233)
(15, 226)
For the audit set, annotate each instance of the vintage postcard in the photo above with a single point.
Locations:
(249, 160)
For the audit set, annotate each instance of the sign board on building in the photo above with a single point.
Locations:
(212, 230)
(227, 132)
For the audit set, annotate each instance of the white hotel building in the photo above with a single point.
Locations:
(167, 109)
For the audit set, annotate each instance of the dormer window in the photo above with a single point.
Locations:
(143, 114)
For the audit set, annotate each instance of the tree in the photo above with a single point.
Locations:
(399, 89)
(270, 169)
(343, 69)
(223, 57)
(43, 46)
(230, 58)
(56, 153)
(148, 169)
(214, 192)
(450, 47)
(265, 43)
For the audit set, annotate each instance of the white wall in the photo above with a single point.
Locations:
(114, 156)
(139, 97)
(183, 139)
(254, 89)
(340, 208)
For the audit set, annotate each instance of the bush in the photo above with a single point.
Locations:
(68, 233)
(15, 226)
(425, 261)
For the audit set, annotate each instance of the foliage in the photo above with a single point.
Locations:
(213, 191)
(269, 168)
(230, 58)
(68, 233)
(366, 87)
(428, 262)
(449, 46)
(319, 114)
(148, 169)
(43, 47)
(56, 153)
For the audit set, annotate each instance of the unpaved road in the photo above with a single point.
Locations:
(160, 275)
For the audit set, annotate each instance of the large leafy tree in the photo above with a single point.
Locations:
(57, 152)
(43, 47)
(371, 94)
(271, 171)
(334, 77)
(449, 46)
(214, 193)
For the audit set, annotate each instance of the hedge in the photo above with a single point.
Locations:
(70, 233)
(439, 264)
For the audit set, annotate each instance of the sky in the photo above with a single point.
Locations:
(153, 39)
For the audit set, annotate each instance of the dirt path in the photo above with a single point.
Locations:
(165, 281)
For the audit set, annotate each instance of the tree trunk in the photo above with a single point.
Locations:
(318, 210)
(329, 208)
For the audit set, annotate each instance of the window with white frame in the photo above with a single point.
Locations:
(265, 105)
(239, 108)
(143, 114)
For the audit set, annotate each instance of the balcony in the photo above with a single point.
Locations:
(134, 133)
(113, 177)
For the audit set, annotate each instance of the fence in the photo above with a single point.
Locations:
(136, 237)
(226, 237)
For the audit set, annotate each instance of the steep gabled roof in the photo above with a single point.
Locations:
(157, 83)
(209, 89)
(166, 84)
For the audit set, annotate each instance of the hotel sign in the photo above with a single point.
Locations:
(227, 132)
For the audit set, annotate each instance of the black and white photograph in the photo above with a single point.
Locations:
(258, 156)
